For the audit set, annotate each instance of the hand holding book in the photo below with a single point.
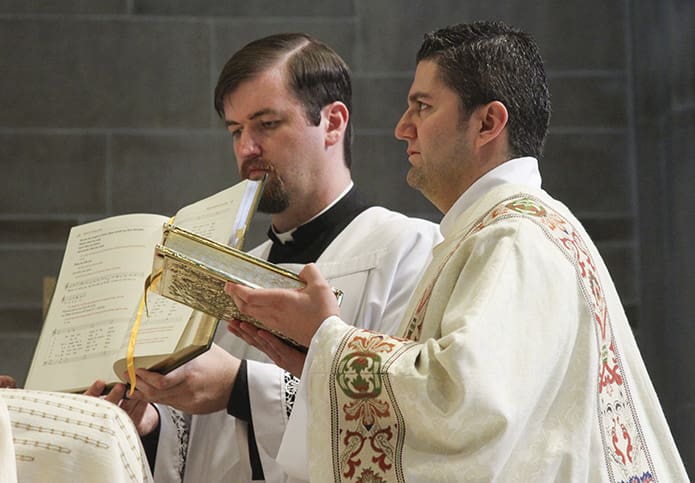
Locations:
(282, 354)
(295, 313)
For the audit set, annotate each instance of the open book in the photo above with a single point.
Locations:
(100, 285)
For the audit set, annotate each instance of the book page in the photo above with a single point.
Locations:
(214, 217)
(220, 216)
(104, 267)
(99, 289)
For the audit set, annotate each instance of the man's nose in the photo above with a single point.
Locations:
(404, 128)
(246, 146)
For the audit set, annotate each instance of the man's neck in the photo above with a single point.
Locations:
(519, 171)
(291, 219)
(306, 243)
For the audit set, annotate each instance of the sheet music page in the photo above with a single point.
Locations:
(98, 289)
(162, 325)
(214, 217)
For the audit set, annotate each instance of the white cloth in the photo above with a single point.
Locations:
(64, 438)
(376, 260)
(515, 363)
(8, 469)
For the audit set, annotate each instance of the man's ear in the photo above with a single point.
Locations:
(337, 116)
(493, 118)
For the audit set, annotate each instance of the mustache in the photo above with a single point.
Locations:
(257, 163)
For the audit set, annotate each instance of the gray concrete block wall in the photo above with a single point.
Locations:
(663, 79)
(106, 108)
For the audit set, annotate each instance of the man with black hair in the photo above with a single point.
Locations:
(515, 360)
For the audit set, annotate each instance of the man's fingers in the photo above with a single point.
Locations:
(134, 408)
(311, 274)
(285, 356)
(272, 345)
(116, 393)
(160, 388)
(238, 292)
(263, 344)
(154, 381)
(96, 389)
(7, 381)
(256, 298)
(252, 336)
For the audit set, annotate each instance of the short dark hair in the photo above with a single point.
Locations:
(489, 61)
(315, 74)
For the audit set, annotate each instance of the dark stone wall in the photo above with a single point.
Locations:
(663, 79)
(106, 108)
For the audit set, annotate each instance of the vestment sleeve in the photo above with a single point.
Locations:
(174, 427)
(271, 394)
(493, 350)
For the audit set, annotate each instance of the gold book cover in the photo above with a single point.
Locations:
(192, 270)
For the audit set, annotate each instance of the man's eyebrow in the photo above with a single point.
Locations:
(416, 96)
(262, 112)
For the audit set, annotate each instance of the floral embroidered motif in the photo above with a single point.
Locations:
(366, 449)
(359, 375)
(623, 443)
(368, 476)
(645, 478)
(362, 373)
(526, 206)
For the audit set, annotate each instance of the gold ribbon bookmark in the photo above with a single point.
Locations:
(150, 284)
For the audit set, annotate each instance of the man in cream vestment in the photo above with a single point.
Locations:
(65, 438)
(514, 361)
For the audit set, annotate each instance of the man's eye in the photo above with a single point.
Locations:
(421, 106)
(270, 124)
(235, 133)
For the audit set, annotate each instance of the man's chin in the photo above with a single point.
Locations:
(414, 179)
(272, 206)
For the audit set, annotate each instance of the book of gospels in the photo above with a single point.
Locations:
(193, 270)
(87, 328)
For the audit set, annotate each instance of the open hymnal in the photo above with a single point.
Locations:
(100, 286)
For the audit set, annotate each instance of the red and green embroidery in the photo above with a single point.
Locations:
(623, 441)
(370, 416)
(367, 432)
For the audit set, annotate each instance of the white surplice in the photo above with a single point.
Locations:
(65, 438)
(376, 261)
(515, 362)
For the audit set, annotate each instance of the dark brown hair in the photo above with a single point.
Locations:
(315, 74)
